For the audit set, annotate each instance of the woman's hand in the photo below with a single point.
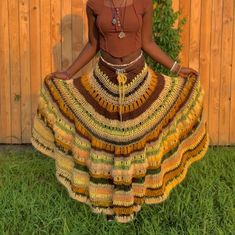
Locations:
(185, 72)
(63, 75)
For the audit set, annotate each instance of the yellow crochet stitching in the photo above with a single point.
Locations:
(122, 78)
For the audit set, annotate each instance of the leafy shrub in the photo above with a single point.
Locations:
(165, 36)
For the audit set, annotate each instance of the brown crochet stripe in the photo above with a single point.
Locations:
(138, 177)
(116, 95)
(165, 121)
(113, 108)
(56, 96)
(119, 210)
(159, 126)
(177, 171)
(115, 115)
(107, 179)
(141, 144)
(168, 177)
(105, 204)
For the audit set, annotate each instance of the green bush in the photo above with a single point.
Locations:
(165, 36)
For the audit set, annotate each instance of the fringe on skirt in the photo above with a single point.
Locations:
(113, 165)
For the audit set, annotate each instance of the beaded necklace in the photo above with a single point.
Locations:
(116, 20)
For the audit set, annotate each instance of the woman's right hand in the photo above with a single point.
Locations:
(63, 75)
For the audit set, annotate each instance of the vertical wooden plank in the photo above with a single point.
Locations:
(185, 6)
(195, 25)
(90, 65)
(213, 123)
(25, 70)
(195, 20)
(205, 40)
(232, 91)
(45, 37)
(56, 34)
(66, 33)
(78, 24)
(5, 86)
(85, 29)
(175, 6)
(35, 63)
(15, 71)
(226, 62)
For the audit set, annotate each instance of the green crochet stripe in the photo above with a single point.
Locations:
(117, 130)
(183, 117)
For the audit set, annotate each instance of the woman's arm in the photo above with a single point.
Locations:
(88, 52)
(148, 44)
(152, 49)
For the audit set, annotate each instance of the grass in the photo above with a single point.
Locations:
(32, 201)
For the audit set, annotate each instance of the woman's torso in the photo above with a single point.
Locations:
(132, 42)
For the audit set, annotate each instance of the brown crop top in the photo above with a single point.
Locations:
(108, 37)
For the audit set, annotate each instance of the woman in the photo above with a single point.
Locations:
(122, 135)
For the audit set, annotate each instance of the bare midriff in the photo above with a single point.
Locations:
(120, 60)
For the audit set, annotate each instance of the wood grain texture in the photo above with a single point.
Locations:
(35, 54)
(89, 66)
(45, 38)
(205, 41)
(78, 25)
(56, 37)
(25, 70)
(38, 37)
(215, 70)
(232, 88)
(14, 46)
(5, 87)
(175, 6)
(195, 24)
(225, 74)
(66, 19)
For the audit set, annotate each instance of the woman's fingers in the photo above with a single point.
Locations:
(188, 72)
(59, 75)
(53, 75)
(184, 75)
(194, 71)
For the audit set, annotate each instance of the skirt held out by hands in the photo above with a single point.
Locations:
(117, 147)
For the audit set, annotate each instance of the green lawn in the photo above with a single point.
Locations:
(32, 201)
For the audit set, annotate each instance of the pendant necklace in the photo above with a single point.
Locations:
(116, 21)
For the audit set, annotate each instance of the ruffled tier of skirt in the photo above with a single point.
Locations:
(116, 166)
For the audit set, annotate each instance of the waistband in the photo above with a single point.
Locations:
(126, 66)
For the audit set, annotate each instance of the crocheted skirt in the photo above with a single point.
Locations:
(114, 165)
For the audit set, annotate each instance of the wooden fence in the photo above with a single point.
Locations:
(40, 36)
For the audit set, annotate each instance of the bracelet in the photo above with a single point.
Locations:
(178, 70)
(173, 66)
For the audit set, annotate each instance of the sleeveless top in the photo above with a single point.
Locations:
(108, 37)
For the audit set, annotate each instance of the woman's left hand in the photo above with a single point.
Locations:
(185, 72)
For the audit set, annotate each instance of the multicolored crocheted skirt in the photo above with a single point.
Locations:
(114, 165)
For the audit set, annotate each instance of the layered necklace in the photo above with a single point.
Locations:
(116, 20)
